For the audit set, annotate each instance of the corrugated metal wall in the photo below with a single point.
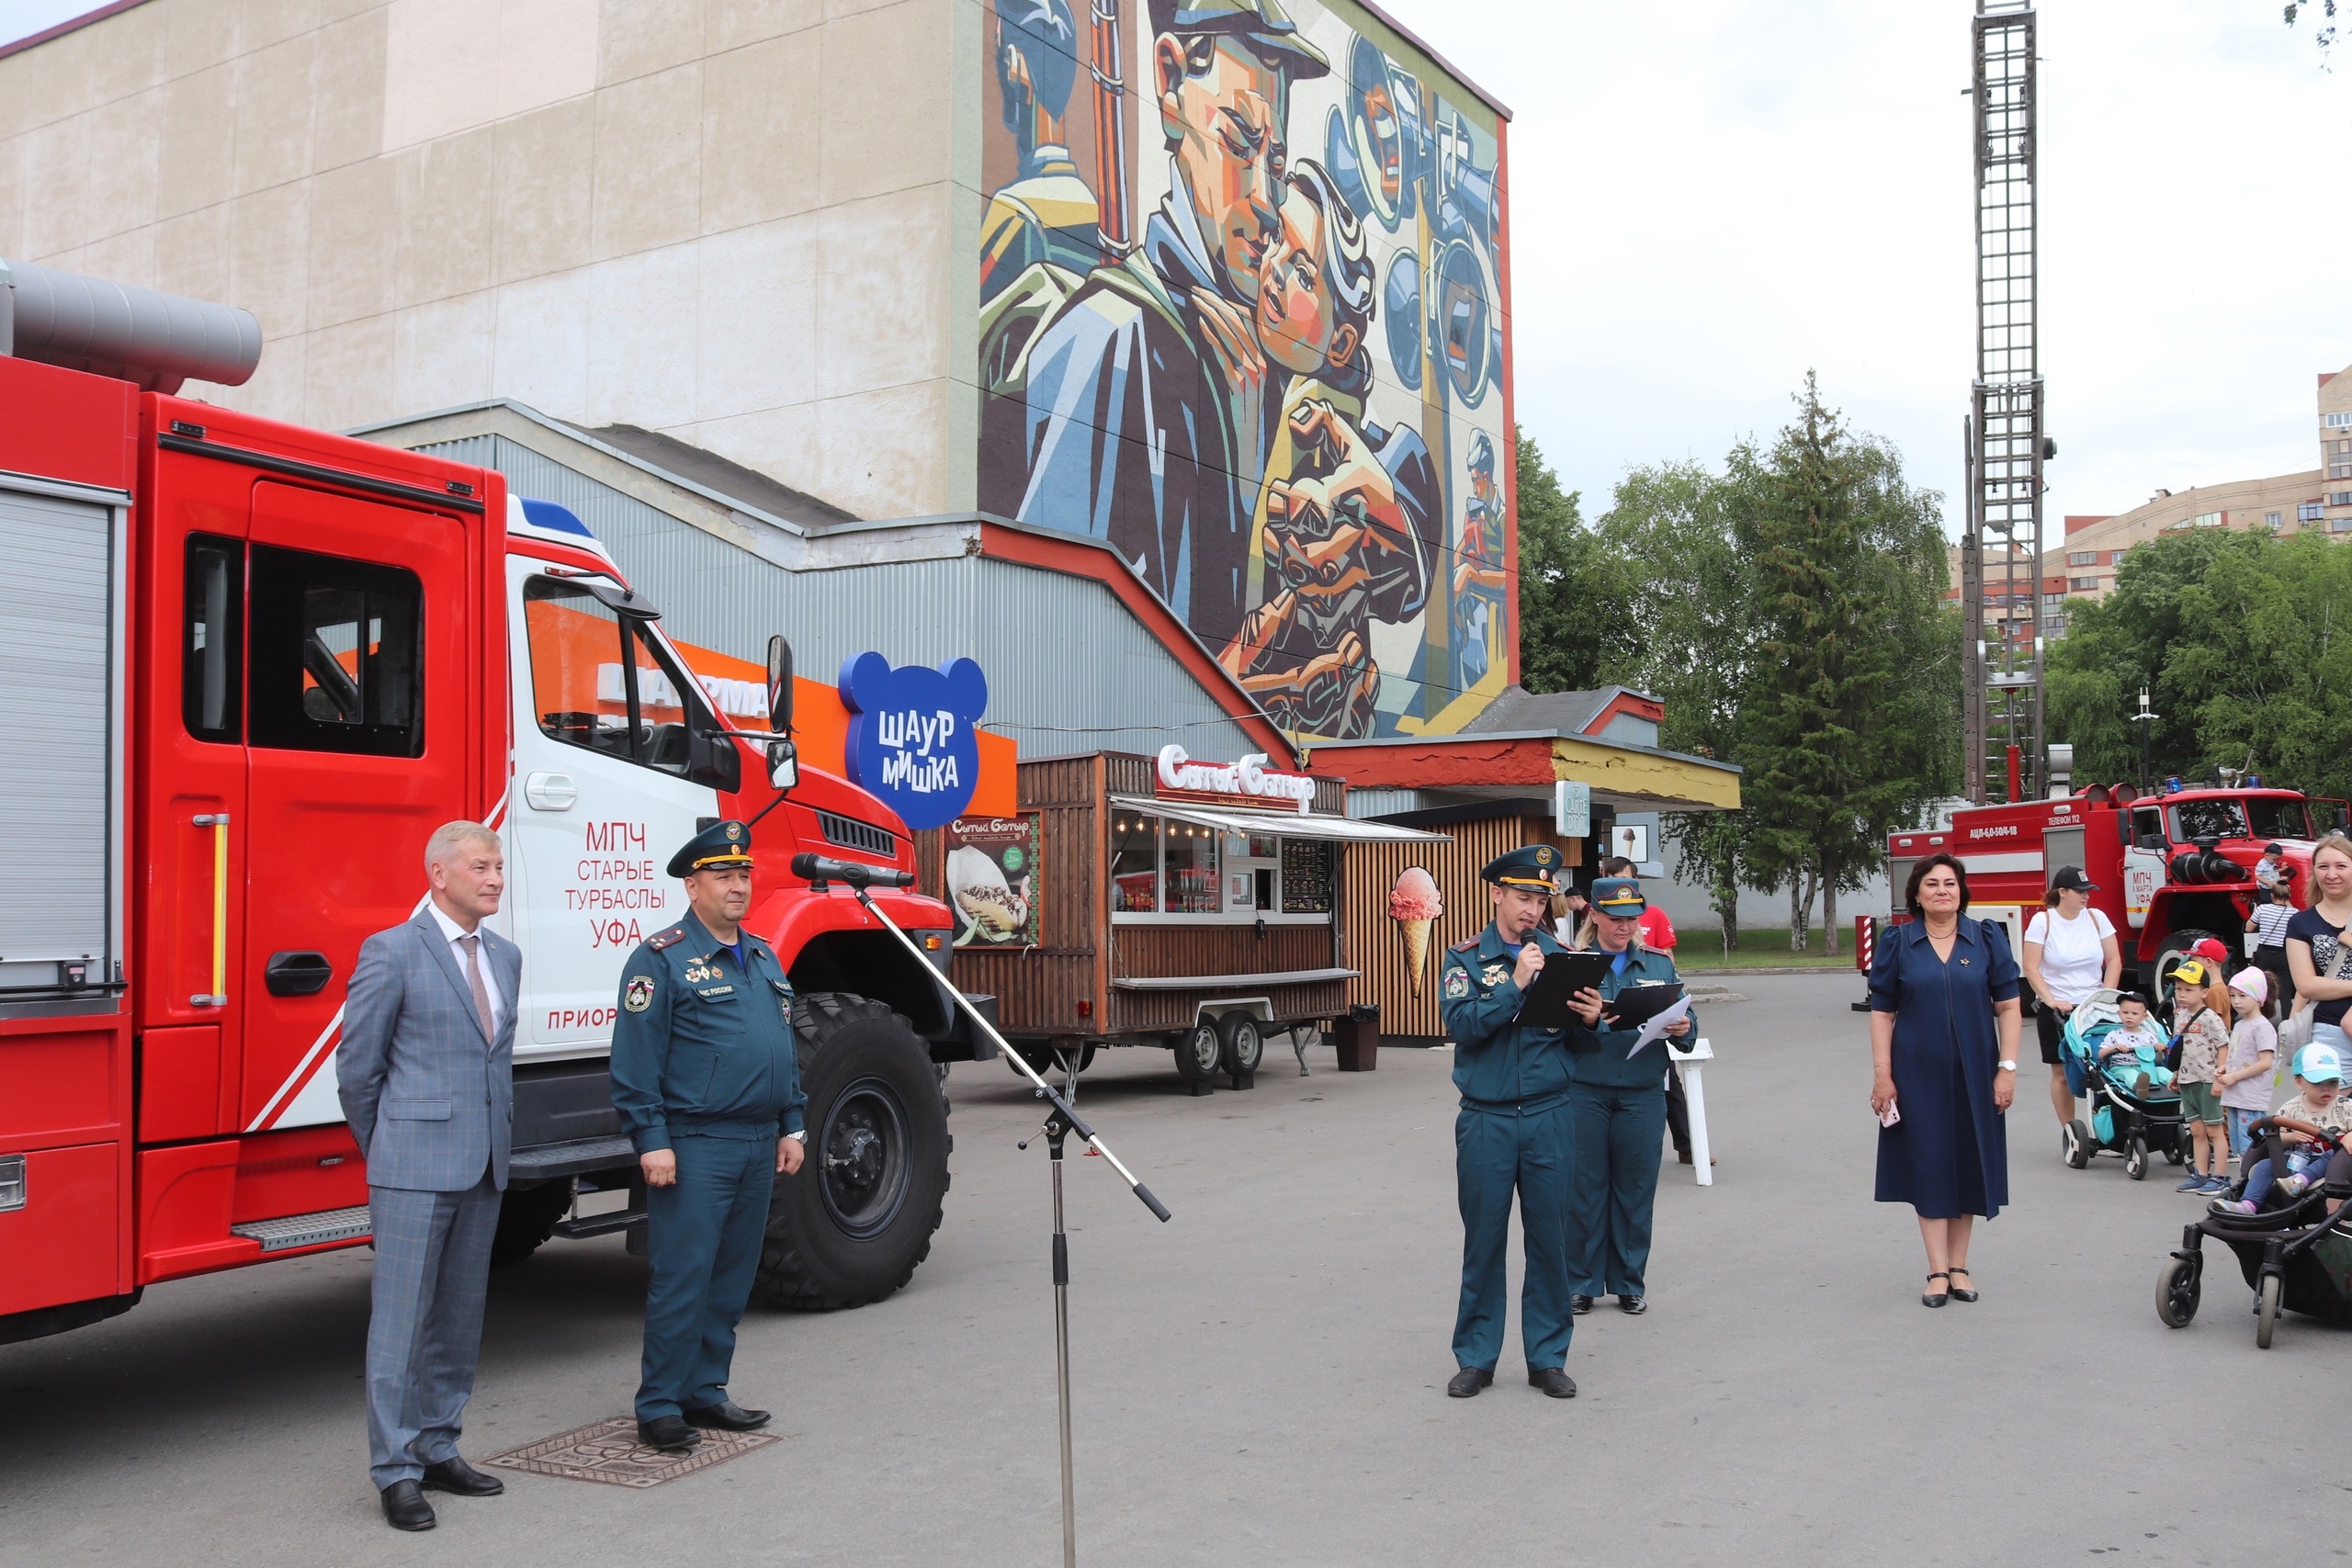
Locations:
(1070, 670)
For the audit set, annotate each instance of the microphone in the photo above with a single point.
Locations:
(819, 871)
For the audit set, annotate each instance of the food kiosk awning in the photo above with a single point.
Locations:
(1287, 824)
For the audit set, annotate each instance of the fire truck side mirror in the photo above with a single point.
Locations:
(779, 686)
(784, 766)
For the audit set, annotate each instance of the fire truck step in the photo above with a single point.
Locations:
(307, 1230)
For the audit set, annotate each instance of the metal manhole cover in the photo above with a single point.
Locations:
(608, 1452)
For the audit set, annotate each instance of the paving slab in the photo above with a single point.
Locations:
(1261, 1380)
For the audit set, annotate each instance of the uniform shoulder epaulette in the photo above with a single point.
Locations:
(1464, 945)
(670, 938)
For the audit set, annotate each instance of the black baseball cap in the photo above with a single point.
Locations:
(2070, 879)
(2274, 849)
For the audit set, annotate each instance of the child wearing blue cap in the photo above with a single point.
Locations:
(2292, 1162)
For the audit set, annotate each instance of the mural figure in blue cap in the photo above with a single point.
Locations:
(1258, 403)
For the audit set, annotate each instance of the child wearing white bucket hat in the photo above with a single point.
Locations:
(2244, 1080)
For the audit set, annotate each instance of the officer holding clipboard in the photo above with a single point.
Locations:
(1617, 1105)
(1512, 1133)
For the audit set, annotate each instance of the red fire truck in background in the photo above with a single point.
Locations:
(252, 667)
(2170, 868)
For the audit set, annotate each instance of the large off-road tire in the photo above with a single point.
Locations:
(526, 1216)
(854, 1224)
(2175, 946)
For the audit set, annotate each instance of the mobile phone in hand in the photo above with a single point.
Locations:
(1892, 1115)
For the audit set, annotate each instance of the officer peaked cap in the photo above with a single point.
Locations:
(721, 843)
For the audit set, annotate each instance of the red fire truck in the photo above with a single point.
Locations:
(2170, 868)
(253, 666)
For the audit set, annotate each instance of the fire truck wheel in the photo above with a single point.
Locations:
(854, 1224)
(2175, 946)
(526, 1216)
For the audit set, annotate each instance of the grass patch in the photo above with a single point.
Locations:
(1764, 947)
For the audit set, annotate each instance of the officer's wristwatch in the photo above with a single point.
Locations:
(2008, 1067)
(799, 1137)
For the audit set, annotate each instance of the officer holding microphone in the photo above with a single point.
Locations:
(1512, 1133)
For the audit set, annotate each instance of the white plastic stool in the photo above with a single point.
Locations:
(1695, 1094)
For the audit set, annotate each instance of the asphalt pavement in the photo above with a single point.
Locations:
(1261, 1380)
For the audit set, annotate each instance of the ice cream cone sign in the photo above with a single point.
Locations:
(1414, 905)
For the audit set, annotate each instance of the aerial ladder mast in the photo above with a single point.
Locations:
(2001, 550)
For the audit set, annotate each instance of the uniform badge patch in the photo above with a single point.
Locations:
(639, 995)
(1457, 984)
(1495, 972)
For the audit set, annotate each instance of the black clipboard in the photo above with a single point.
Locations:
(1545, 1003)
(1636, 1005)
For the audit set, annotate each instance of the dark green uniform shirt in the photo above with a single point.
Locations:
(703, 1043)
(1601, 1058)
(1497, 1062)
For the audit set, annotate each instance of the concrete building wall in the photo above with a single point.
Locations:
(729, 220)
(1127, 694)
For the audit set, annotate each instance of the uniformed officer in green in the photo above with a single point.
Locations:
(708, 1084)
(1513, 1133)
(1617, 1102)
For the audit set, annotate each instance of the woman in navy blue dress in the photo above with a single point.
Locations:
(1944, 1041)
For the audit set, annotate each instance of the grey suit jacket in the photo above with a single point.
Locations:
(430, 1100)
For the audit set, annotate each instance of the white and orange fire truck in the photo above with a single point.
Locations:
(251, 666)
(2170, 868)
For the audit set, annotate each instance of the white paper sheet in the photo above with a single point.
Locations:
(1655, 1030)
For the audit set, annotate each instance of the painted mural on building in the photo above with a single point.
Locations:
(1242, 317)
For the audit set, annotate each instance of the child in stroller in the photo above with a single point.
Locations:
(2287, 1163)
(2132, 1053)
(2114, 1055)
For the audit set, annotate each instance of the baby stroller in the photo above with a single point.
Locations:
(2296, 1256)
(2134, 1108)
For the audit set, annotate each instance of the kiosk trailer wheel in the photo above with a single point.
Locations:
(1241, 1042)
(1199, 1051)
(852, 1227)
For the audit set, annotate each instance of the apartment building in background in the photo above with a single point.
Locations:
(2083, 565)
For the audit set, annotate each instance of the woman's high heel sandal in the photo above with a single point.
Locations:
(1958, 1293)
(1939, 1297)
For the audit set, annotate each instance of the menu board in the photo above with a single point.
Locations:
(992, 881)
(1307, 866)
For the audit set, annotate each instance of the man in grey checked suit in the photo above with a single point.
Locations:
(426, 1074)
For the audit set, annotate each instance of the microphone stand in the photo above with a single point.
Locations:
(1061, 1119)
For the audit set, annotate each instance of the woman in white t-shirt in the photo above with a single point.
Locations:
(2070, 951)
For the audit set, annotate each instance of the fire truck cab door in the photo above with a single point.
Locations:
(359, 742)
(2143, 868)
(601, 801)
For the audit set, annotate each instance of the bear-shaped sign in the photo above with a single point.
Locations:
(912, 741)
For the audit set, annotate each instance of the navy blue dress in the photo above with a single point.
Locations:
(1949, 1156)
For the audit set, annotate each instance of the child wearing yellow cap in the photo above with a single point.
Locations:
(2201, 1008)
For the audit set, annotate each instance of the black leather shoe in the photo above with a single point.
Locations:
(1552, 1381)
(1578, 1305)
(405, 1507)
(1632, 1306)
(455, 1475)
(725, 1416)
(1465, 1384)
(669, 1434)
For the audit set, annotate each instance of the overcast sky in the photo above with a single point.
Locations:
(1710, 197)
